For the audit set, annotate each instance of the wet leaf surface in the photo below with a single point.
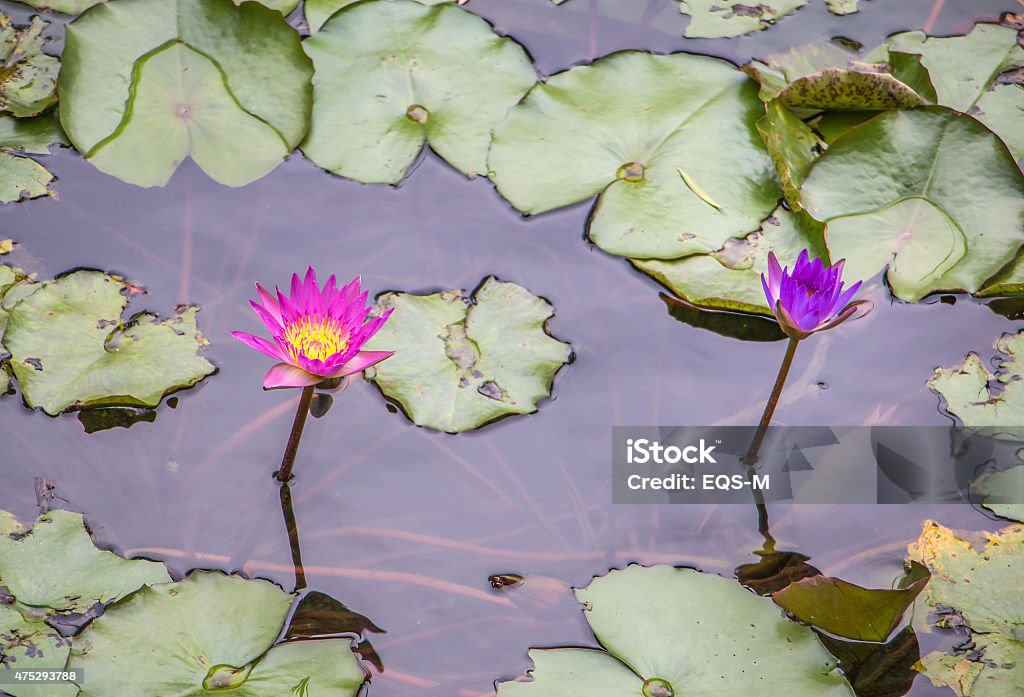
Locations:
(987, 402)
(846, 90)
(735, 642)
(319, 11)
(206, 633)
(564, 143)
(236, 98)
(35, 135)
(891, 192)
(55, 565)
(1003, 493)
(712, 19)
(793, 147)
(22, 178)
(28, 77)
(461, 362)
(29, 644)
(394, 75)
(71, 348)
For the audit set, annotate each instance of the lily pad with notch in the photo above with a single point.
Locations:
(72, 349)
(736, 643)
(206, 633)
(226, 85)
(892, 195)
(394, 75)
(463, 361)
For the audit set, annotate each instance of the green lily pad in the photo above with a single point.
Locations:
(689, 172)
(793, 147)
(35, 135)
(780, 68)
(56, 565)
(730, 278)
(992, 667)
(845, 90)
(393, 75)
(714, 19)
(1004, 493)
(71, 349)
(842, 7)
(205, 634)
(1001, 109)
(892, 193)
(461, 362)
(735, 643)
(28, 78)
(75, 7)
(319, 11)
(970, 397)
(29, 644)
(228, 86)
(22, 178)
(847, 610)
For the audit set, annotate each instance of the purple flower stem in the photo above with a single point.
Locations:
(291, 450)
(750, 459)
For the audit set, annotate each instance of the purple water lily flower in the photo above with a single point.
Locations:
(811, 298)
(317, 333)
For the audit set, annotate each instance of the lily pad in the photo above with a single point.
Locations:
(208, 633)
(29, 644)
(713, 19)
(847, 610)
(22, 177)
(393, 75)
(845, 90)
(319, 11)
(55, 565)
(1004, 493)
(892, 194)
(71, 349)
(461, 362)
(29, 77)
(137, 101)
(689, 172)
(671, 631)
(74, 7)
(730, 278)
(793, 147)
(993, 667)
(990, 403)
(842, 7)
(35, 135)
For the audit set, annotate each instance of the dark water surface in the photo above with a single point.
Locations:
(403, 524)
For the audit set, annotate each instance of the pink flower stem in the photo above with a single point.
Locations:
(291, 450)
(750, 459)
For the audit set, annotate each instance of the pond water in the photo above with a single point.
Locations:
(405, 525)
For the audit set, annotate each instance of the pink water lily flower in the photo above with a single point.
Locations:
(317, 333)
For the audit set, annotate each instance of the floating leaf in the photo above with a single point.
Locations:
(29, 644)
(1001, 109)
(319, 11)
(780, 68)
(74, 7)
(1004, 493)
(137, 102)
(565, 142)
(845, 609)
(842, 7)
(993, 666)
(730, 278)
(56, 565)
(28, 77)
(846, 90)
(35, 135)
(71, 349)
(735, 643)
(713, 19)
(22, 177)
(969, 393)
(207, 633)
(793, 147)
(892, 193)
(461, 362)
(392, 75)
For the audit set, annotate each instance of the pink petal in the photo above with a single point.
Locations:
(362, 361)
(261, 345)
(270, 303)
(284, 375)
(268, 318)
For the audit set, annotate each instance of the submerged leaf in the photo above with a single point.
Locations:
(461, 362)
(71, 349)
(892, 194)
(207, 633)
(28, 77)
(713, 19)
(565, 143)
(136, 103)
(55, 565)
(735, 643)
(393, 75)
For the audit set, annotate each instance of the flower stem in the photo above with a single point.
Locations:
(291, 450)
(293, 535)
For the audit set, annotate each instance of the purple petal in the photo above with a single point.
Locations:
(261, 345)
(362, 361)
(767, 291)
(269, 320)
(284, 375)
(270, 303)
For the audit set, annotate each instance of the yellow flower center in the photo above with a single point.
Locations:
(316, 338)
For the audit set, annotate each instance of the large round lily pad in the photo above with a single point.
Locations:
(671, 631)
(146, 83)
(669, 144)
(319, 11)
(208, 634)
(896, 191)
(71, 349)
(57, 566)
(461, 362)
(392, 75)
